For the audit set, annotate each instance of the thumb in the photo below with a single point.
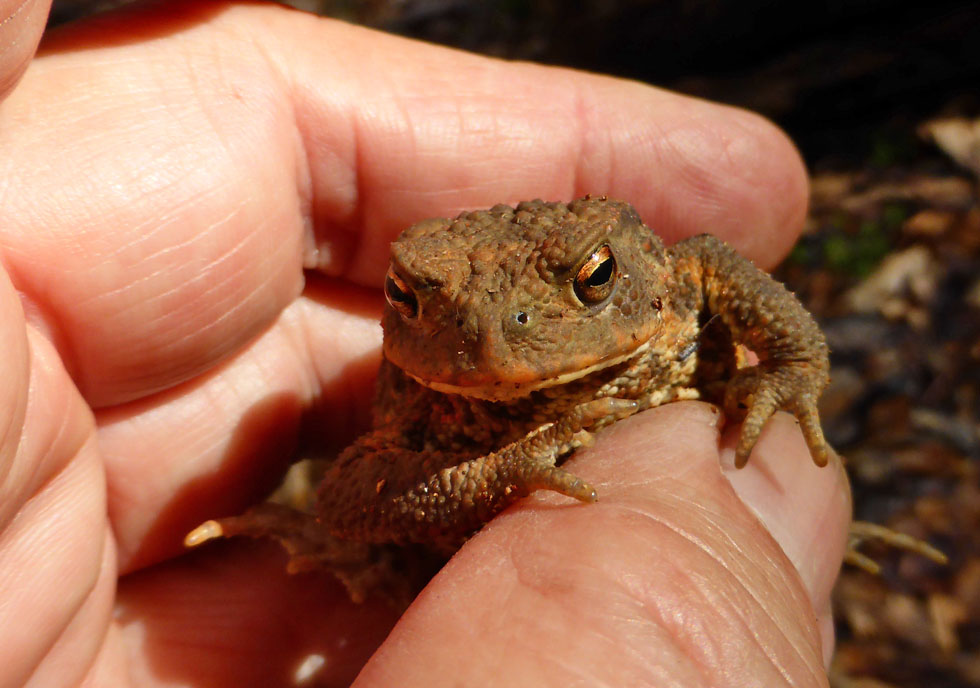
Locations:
(805, 508)
(671, 578)
(21, 25)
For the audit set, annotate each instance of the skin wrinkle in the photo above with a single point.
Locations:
(571, 674)
(731, 575)
(124, 247)
(336, 103)
(33, 480)
(13, 427)
(662, 673)
(106, 568)
(737, 612)
(304, 185)
(311, 391)
(211, 398)
(206, 274)
(204, 442)
(684, 649)
(661, 215)
(805, 553)
(124, 495)
(237, 303)
(44, 538)
(198, 275)
(543, 592)
(692, 141)
(711, 521)
(687, 142)
(219, 81)
(659, 620)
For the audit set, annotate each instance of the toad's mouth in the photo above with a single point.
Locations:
(508, 390)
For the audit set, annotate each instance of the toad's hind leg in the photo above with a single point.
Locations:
(362, 568)
(381, 492)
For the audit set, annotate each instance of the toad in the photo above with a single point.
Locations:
(511, 335)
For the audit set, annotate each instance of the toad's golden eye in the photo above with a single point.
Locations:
(595, 280)
(400, 296)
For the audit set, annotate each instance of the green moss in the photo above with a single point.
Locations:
(858, 254)
(848, 250)
(837, 253)
(891, 147)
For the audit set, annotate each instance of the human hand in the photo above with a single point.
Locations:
(197, 204)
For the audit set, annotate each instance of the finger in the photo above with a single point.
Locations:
(247, 141)
(21, 25)
(205, 618)
(426, 131)
(805, 507)
(218, 444)
(57, 565)
(669, 579)
(168, 233)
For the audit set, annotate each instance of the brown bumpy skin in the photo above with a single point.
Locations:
(512, 335)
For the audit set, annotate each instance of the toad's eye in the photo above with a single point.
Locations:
(595, 280)
(400, 296)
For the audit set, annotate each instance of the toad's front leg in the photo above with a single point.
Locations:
(382, 491)
(762, 315)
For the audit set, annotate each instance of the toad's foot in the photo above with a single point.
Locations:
(363, 569)
(756, 393)
(529, 464)
(863, 531)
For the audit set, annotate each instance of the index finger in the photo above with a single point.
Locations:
(424, 131)
(246, 142)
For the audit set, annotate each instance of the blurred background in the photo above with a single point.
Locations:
(882, 99)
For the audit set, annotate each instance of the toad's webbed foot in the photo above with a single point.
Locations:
(756, 393)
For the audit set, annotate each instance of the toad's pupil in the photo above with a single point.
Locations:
(601, 274)
(596, 278)
(400, 296)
